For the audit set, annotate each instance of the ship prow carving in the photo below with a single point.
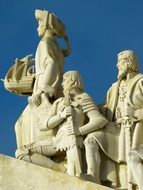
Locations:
(21, 76)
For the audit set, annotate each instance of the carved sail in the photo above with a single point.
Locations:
(20, 77)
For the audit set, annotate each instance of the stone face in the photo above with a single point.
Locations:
(20, 175)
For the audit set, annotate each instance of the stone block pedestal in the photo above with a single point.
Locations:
(20, 175)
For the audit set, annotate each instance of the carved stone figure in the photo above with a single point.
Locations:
(121, 140)
(49, 58)
(62, 125)
(49, 63)
(74, 116)
(63, 129)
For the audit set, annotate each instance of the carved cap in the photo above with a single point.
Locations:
(130, 57)
(43, 16)
(127, 54)
(51, 21)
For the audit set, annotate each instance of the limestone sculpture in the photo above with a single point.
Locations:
(63, 129)
(65, 114)
(49, 58)
(121, 140)
(49, 64)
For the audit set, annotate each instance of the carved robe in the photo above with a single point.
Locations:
(49, 62)
(134, 98)
(112, 138)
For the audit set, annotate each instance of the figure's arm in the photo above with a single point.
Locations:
(52, 122)
(136, 110)
(139, 111)
(103, 107)
(51, 118)
(96, 122)
(58, 118)
(132, 112)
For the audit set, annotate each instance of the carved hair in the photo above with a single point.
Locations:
(75, 78)
(130, 58)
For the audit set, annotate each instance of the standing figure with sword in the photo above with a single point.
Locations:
(121, 140)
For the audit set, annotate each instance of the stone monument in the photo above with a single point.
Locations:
(62, 129)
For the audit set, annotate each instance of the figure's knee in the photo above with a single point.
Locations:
(26, 158)
(91, 143)
(20, 153)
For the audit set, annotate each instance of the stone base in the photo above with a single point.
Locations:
(20, 175)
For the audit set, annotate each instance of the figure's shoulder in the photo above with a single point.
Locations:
(86, 99)
(50, 42)
(87, 103)
(139, 80)
(84, 96)
(114, 84)
(139, 76)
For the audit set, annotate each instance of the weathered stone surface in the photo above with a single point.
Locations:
(19, 175)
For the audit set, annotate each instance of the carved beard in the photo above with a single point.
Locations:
(122, 73)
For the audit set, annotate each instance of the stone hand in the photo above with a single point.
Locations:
(135, 113)
(64, 114)
(129, 111)
(37, 98)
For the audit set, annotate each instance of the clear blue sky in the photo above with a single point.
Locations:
(98, 30)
